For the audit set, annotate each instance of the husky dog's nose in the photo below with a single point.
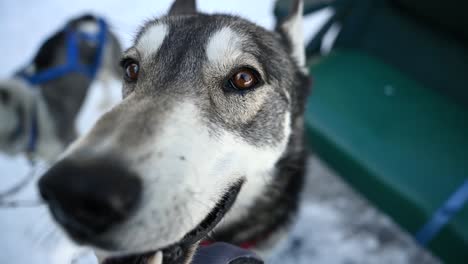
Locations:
(89, 197)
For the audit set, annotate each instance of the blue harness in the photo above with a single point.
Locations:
(72, 65)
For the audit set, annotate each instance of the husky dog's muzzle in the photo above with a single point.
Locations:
(88, 197)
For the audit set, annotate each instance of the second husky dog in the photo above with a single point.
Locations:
(209, 136)
(40, 104)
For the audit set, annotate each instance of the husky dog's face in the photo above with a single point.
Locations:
(15, 101)
(205, 117)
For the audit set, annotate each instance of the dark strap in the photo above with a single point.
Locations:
(223, 253)
(34, 132)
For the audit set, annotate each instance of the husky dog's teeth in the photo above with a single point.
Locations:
(157, 258)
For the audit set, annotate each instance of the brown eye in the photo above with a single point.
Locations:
(131, 70)
(244, 79)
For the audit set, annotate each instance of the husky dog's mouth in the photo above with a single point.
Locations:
(180, 252)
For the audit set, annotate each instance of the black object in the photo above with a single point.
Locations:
(223, 253)
(89, 197)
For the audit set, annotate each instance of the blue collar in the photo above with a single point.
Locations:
(72, 64)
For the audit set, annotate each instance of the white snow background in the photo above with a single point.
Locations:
(322, 235)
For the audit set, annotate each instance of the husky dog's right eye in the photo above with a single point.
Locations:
(244, 79)
(132, 69)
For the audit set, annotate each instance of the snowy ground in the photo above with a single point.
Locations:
(335, 225)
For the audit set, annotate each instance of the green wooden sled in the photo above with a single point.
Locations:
(389, 112)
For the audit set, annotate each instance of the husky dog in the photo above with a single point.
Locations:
(39, 105)
(207, 142)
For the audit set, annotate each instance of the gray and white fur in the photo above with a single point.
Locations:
(160, 169)
(56, 103)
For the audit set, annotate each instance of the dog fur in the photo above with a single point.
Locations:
(56, 103)
(189, 138)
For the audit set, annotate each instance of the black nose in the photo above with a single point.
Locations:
(88, 197)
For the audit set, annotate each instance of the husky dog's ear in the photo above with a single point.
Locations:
(292, 29)
(183, 7)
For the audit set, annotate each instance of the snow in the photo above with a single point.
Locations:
(337, 226)
(324, 233)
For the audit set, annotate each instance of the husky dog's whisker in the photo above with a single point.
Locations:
(21, 203)
(47, 235)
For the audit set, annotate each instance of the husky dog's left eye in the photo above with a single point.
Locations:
(244, 78)
(131, 68)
